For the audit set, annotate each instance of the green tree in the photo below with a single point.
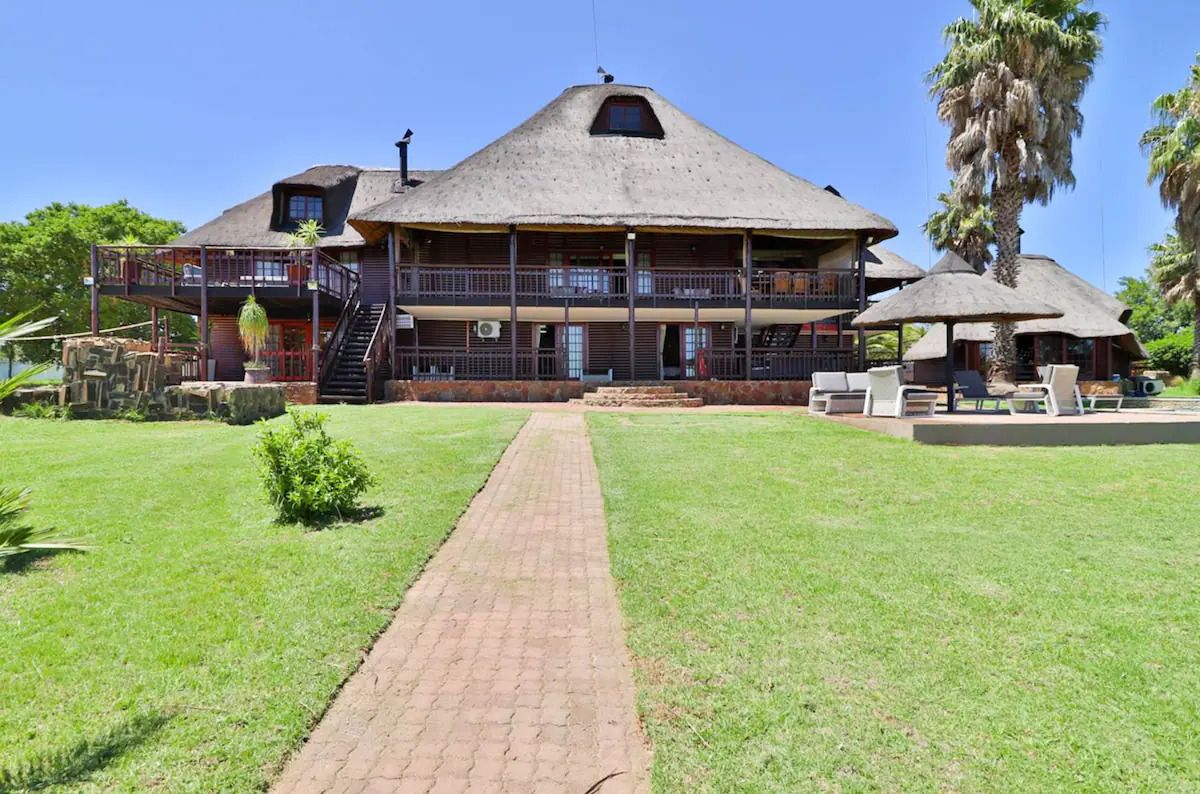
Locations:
(1175, 270)
(1009, 88)
(1150, 316)
(966, 229)
(1173, 146)
(882, 345)
(43, 261)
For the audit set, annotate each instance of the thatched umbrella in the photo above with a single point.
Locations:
(952, 292)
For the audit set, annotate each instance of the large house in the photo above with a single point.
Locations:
(610, 237)
(1091, 334)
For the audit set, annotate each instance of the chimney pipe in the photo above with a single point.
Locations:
(402, 145)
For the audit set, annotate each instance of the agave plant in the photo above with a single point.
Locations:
(17, 538)
(308, 234)
(11, 330)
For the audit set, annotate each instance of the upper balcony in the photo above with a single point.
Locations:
(609, 287)
(181, 278)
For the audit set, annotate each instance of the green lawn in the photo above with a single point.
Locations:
(813, 607)
(195, 646)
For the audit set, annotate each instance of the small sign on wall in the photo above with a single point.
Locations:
(404, 321)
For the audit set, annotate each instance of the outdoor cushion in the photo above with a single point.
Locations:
(830, 382)
(858, 381)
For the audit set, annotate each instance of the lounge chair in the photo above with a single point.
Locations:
(835, 392)
(888, 396)
(970, 388)
(1059, 393)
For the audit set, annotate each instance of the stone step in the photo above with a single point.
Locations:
(661, 401)
(636, 390)
(634, 397)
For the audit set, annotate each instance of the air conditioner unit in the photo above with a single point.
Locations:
(487, 329)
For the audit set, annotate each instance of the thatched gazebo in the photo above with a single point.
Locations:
(953, 292)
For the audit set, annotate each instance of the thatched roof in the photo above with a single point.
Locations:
(952, 291)
(347, 189)
(1087, 312)
(551, 171)
(886, 265)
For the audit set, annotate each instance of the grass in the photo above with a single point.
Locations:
(199, 641)
(1187, 388)
(812, 607)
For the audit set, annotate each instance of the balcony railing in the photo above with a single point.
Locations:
(449, 363)
(775, 364)
(610, 286)
(288, 365)
(176, 267)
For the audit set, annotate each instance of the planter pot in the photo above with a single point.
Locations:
(258, 375)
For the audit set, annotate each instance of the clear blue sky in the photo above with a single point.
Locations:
(188, 108)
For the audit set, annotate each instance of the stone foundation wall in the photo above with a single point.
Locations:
(104, 375)
(515, 391)
(714, 392)
(299, 392)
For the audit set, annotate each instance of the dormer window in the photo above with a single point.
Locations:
(627, 115)
(305, 207)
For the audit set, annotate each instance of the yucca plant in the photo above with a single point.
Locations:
(308, 234)
(253, 328)
(18, 538)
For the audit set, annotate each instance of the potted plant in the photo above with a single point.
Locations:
(253, 329)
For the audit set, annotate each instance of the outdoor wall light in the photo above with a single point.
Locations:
(631, 235)
(88, 281)
(313, 286)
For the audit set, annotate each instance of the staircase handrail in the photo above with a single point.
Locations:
(379, 348)
(340, 329)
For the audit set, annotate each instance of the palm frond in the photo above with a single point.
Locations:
(18, 538)
(9, 386)
(16, 327)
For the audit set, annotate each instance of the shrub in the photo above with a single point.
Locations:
(42, 410)
(308, 476)
(1172, 353)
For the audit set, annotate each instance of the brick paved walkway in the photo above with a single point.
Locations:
(505, 668)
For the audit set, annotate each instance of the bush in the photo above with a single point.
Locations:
(308, 476)
(1172, 353)
(42, 410)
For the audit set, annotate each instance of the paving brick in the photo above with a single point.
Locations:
(505, 667)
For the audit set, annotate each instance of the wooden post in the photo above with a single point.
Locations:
(154, 327)
(900, 342)
(512, 295)
(316, 336)
(566, 337)
(95, 292)
(696, 340)
(391, 302)
(950, 367)
(860, 268)
(630, 253)
(748, 267)
(165, 340)
(203, 313)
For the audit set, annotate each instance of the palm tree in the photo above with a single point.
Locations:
(966, 229)
(1173, 145)
(1175, 270)
(1009, 88)
(253, 328)
(11, 330)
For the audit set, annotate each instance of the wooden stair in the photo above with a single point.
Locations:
(348, 381)
(639, 397)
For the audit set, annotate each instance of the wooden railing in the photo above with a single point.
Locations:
(379, 349)
(775, 364)
(341, 328)
(609, 285)
(192, 367)
(453, 363)
(176, 267)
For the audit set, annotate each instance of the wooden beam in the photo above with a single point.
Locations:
(204, 341)
(512, 295)
(316, 323)
(391, 301)
(861, 269)
(630, 253)
(95, 292)
(748, 268)
(154, 328)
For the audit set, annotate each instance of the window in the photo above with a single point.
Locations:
(269, 270)
(623, 117)
(627, 115)
(349, 260)
(304, 208)
(583, 275)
